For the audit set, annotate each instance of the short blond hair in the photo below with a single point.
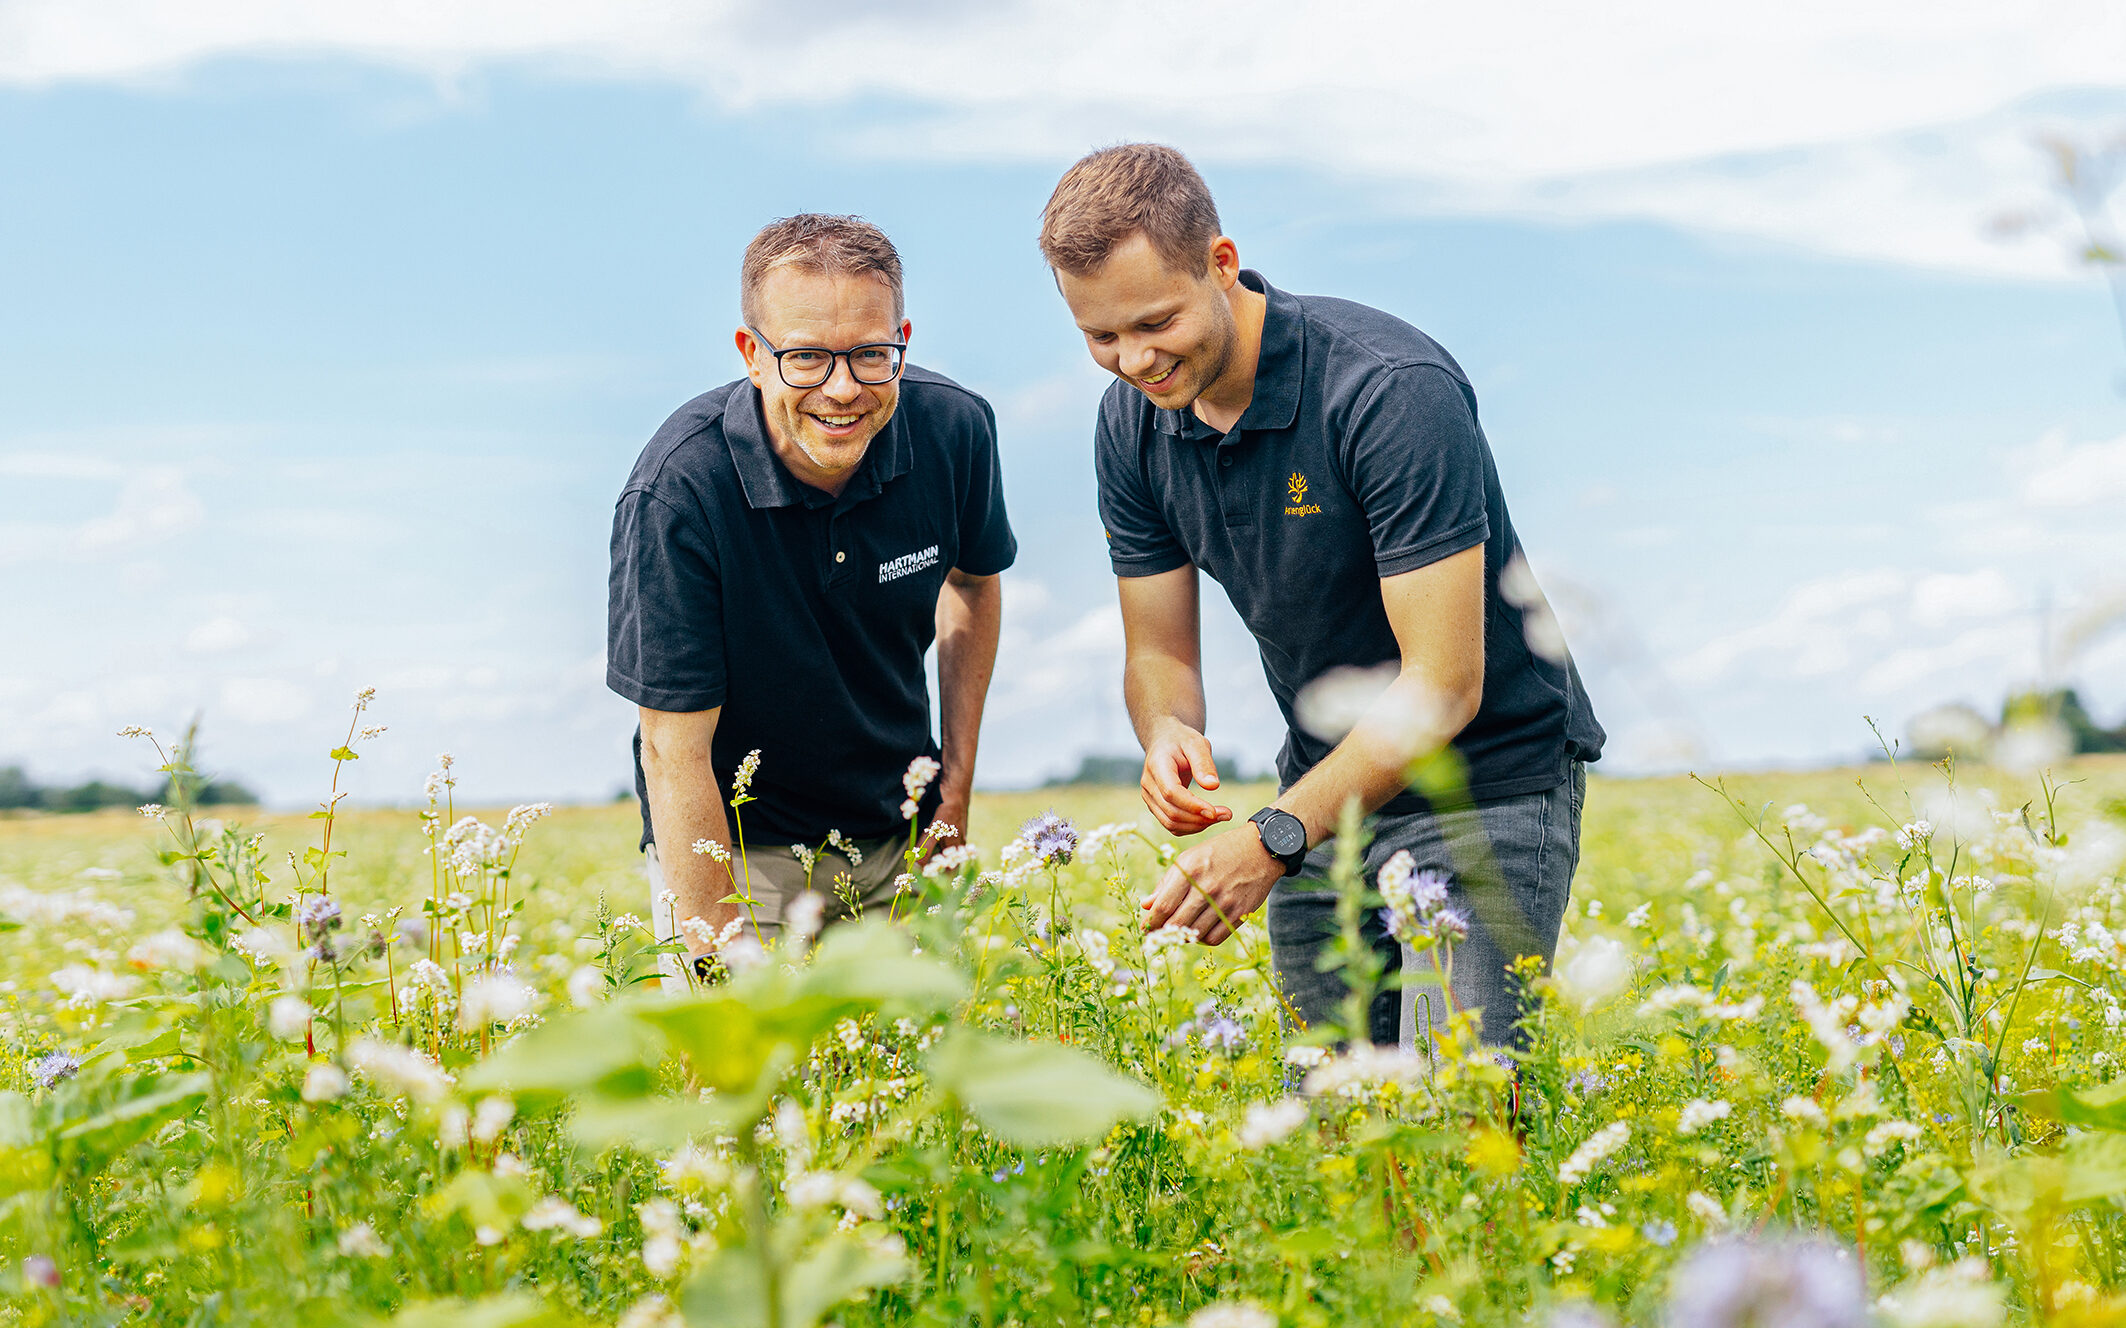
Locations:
(818, 242)
(1145, 189)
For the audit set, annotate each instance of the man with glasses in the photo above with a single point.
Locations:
(783, 556)
(1323, 462)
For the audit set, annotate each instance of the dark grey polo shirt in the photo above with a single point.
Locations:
(805, 617)
(1359, 457)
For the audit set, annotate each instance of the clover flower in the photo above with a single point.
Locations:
(54, 1067)
(1051, 839)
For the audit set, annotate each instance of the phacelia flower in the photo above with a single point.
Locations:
(316, 916)
(1051, 838)
(54, 1067)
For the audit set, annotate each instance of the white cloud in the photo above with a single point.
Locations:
(263, 701)
(2080, 475)
(1890, 129)
(154, 504)
(218, 636)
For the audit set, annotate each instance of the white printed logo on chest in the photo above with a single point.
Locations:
(893, 569)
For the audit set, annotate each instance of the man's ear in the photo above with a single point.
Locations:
(1225, 262)
(751, 351)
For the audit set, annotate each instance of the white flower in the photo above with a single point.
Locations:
(491, 1117)
(710, 848)
(1593, 1150)
(325, 1082)
(493, 998)
(1232, 1314)
(698, 933)
(921, 771)
(522, 818)
(585, 986)
(288, 1018)
(1364, 1068)
(806, 858)
(168, 949)
(661, 1231)
(1699, 1113)
(1962, 1295)
(836, 840)
(554, 1213)
(360, 1242)
(154, 811)
(1914, 834)
(743, 779)
(694, 1169)
(398, 1069)
(743, 955)
(1805, 1110)
(1639, 916)
(1267, 1122)
(806, 914)
(1306, 1058)
(652, 1311)
(84, 986)
(1597, 969)
(1880, 1139)
(1705, 1208)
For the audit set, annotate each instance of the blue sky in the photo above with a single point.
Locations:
(322, 358)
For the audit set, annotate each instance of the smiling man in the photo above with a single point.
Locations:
(783, 556)
(1323, 462)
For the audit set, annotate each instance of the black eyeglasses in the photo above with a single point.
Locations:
(871, 364)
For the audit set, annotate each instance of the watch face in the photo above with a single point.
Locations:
(1284, 835)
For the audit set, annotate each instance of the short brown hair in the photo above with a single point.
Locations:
(818, 242)
(1126, 190)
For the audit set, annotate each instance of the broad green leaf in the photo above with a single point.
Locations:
(2100, 1108)
(18, 1127)
(659, 1124)
(142, 1108)
(343, 754)
(507, 1311)
(1036, 1094)
(875, 962)
(603, 1050)
(486, 1200)
(729, 1290)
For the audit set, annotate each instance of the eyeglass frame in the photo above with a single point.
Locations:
(900, 360)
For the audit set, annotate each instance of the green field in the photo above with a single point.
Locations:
(1042, 1117)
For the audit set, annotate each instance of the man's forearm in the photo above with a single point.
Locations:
(1159, 688)
(1372, 762)
(686, 806)
(970, 618)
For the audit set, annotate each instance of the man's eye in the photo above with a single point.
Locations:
(1154, 327)
(804, 359)
(1099, 338)
(872, 358)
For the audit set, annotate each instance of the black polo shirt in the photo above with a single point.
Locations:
(806, 617)
(1359, 457)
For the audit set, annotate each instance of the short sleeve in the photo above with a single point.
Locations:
(664, 645)
(1139, 540)
(1416, 465)
(987, 545)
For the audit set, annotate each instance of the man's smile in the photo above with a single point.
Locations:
(1160, 379)
(838, 425)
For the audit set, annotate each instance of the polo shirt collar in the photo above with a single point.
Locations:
(768, 483)
(1279, 362)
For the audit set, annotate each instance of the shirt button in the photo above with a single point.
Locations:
(1225, 459)
(840, 557)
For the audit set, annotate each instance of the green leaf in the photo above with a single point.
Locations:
(728, 1290)
(142, 1107)
(514, 1310)
(604, 1050)
(2099, 1108)
(875, 962)
(343, 754)
(1036, 1094)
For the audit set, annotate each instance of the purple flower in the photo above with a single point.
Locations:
(317, 915)
(1790, 1281)
(1428, 889)
(1586, 1083)
(1660, 1231)
(1052, 838)
(54, 1067)
(39, 1271)
(1450, 925)
(1404, 927)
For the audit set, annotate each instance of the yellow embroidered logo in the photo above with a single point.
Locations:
(1297, 488)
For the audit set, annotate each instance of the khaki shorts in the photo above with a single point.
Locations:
(776, 877)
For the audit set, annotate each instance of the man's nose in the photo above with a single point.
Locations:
(841, 384)
(1138, 359)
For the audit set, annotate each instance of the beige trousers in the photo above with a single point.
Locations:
(776, 877)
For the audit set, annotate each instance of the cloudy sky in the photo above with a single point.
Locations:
(328, 334)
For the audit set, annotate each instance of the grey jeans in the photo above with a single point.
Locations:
(1511, 861)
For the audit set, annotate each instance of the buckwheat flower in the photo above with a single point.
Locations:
(695, 1170)
(168, 950)
(1888, 1134)
(1591, 1152)
(1305, 1057)
(1802, 1110)
(908, 809)
(490, 1116)
(921, 771)
(742, 780)
(84, 986)
(712, 849)
(1962, 1295)
(661, 1231)
(522, 818)
(1915, 834)
(135, 731)
(325, 1082)
(806, 858)
(493, 998)
(1364, 1068)
(398, 1069)
(1264, 1123)
(363, 698)
(1233, 1314)
(1705, 1208)
(1639, 916)
(263, 947)
(1597, 969)
(1699, 1113)
(841, 844)
(288, 1017)
(360, 1242)
(652, 1311)
(54, 1067)
(554, 1213)
(1050, 838)
(806, 914)
(585, 986)
(1789, 1281)
(154, 811)
(743, 955)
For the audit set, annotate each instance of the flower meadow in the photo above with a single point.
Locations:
(1842, 1058)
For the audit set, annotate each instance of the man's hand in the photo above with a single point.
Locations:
(1211, 887)
(1177, 756)
(951, 815)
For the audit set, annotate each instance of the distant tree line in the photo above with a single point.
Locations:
(1961, 729)
(18, 792)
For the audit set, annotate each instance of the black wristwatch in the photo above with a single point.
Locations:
(1284, 837)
